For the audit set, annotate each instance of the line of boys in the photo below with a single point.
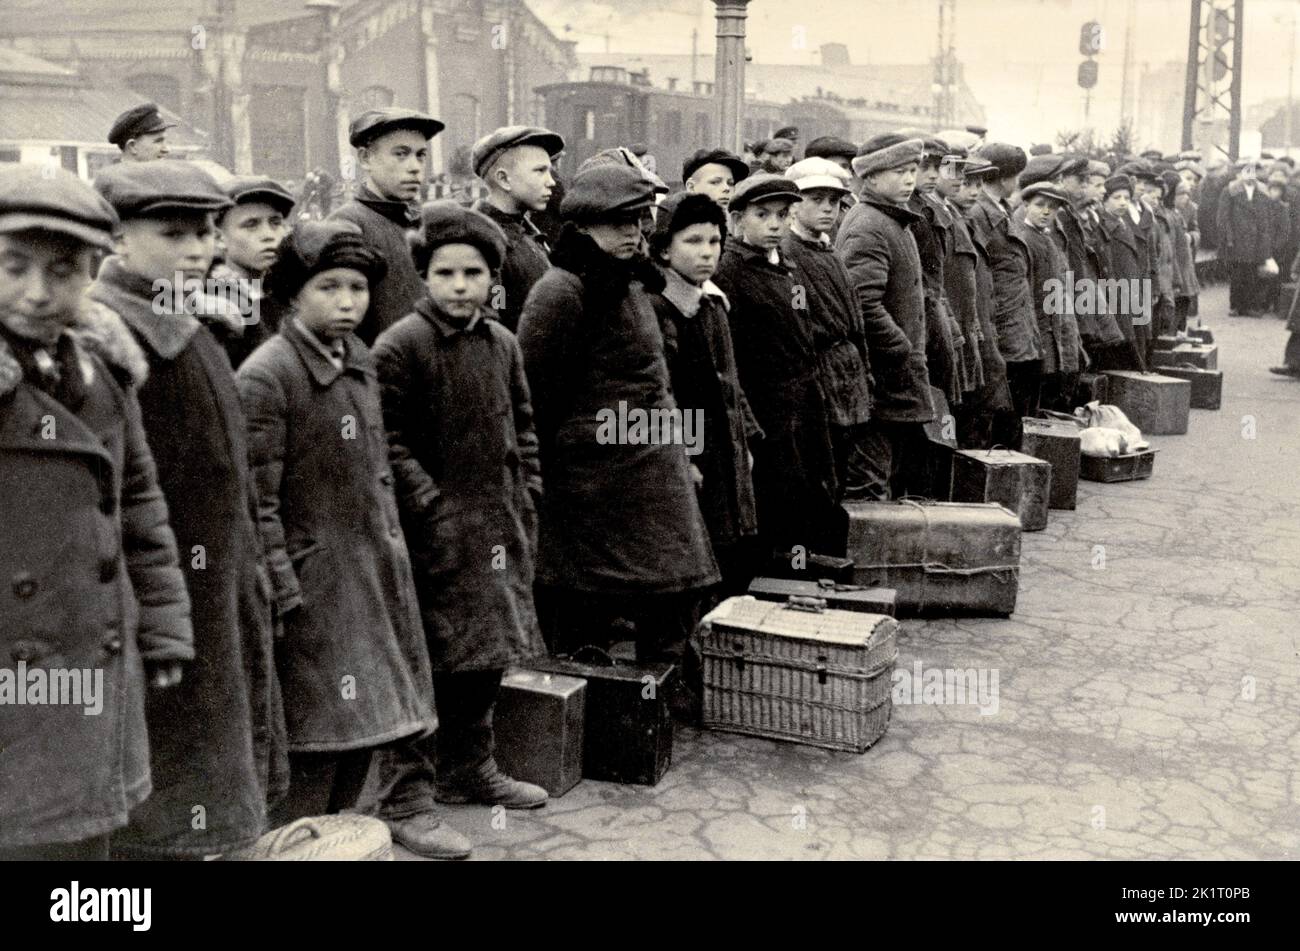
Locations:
(354, 528)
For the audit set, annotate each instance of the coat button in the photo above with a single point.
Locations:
(113, 645)
(394, 532)
(108, 503)
(108, 570)
(25, 586)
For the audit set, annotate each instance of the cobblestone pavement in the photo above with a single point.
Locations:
(1147, 704)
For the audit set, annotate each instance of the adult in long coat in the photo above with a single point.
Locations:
(1246, 220)
(91, 581)
(217, 740)
(621, 533)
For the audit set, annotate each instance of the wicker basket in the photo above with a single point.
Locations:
(789, 672)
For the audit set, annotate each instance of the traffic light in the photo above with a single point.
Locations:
(1092, 39)
(1087, 74)
(1220, 37)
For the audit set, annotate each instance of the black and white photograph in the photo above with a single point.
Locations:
(650, 431)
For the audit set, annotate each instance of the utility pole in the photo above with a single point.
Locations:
(729, 72)
(1290, 82)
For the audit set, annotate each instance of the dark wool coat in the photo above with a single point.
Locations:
(834, 322)
(879, 251)
(944, 341)
(254, 328)
(1058, 334)
(1013, 305)
(88, 579)
(615, 518)
(1247, 228)
(1185, 282)
(217, 740)
(702, 371)
(1084, 263)
(995, 394)
(794, 467)
(525, 262)
(385, 225)
(463, 448)
(1126, 259)
(961, 290)
(340, 573)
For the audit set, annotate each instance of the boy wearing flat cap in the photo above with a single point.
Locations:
(1125, 258)
(833, 316)
(880, 252)
(340, 573)
(141, 133)
(460, 428)
(621, 533)
(775, 156)
(250, 233)
(715, 173)
(392, 149)
(217, 739)
(75, 465)
(515, 163)
(794, 467)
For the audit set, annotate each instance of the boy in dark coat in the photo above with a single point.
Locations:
(834, 318)
(692, 312)
(352, 661)
(217, 740)
(1124, 259)
(794, 467)
(933, 233)
(463, 449)
(392, 147)
(1058, 333)
(90, 562)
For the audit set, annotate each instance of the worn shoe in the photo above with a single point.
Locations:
(497, 790)
(1286, 371)
(426, 834)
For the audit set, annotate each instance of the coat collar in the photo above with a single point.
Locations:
(520, 221)
(687, 297)
(900, 213)
(398, 212)
(70, 433)
(132, 297)
(445, 326)
(356, 356)
(579, 254)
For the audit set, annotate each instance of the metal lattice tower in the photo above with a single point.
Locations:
(945, 67)
(1212, 102)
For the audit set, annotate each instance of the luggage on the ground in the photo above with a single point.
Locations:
(1158, 405)
(940, 444)
(1092, 388)
(1203, 355)
(1057, 442)
(1207, 385)
(1125, 467)
(841, 597)
(1020, 482)
(810, 566)
(538, 724)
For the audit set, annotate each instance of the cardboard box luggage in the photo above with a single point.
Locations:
(1022, 483)
(809, 675)
(1207, 385)
(627, 727)
(1203, 355)
(1123, 468)
(841, 597)
(1158, 405)
(941, 557)
(1057, 442)
(538, 724)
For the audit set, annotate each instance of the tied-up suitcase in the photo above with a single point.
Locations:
(841, 597)
(810, 675)
(1156, 404)
(538, 724)
(941, 557)
(1207, 385)
(1126, 467)
(1203, 355)
(1057, 442)
(1020, 482)
(628, 730)
(1203, 334)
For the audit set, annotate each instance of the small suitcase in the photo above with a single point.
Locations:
(810, 566)
(1166, 342)
(1057, 442)
(809, 675)
(1203, 355)
(1203, 334)
(1127, 467)
(538, 726)
(1156, 404)
(840, 597)
(1207, 385)
(940, 557)
(628, 730)
(1021, 483)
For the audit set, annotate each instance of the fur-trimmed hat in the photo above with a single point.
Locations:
(681, 210)
(880, 153)
(446, 221)
(315, 246)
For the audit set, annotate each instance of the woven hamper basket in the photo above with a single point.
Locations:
(794, 672)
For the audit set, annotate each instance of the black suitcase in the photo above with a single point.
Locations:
(1207, 385)
(841, 597)
(628, 729)
(810, 566)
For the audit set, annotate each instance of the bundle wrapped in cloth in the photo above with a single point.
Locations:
(1107, 431)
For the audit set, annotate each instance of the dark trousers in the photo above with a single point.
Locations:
(1243, 287)
(321, 784)
(1057, 391)
(94, 849)
(853, 463)
(1185, 307)
(896, 453)
(459, 754)
(1291, 356)
(1024, 380)
(974, 426)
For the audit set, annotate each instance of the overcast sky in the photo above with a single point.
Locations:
(1020, 56)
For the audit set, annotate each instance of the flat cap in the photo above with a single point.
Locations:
(978, 130)
(828, 146)
(1098, 168)
(1007, 159)
(776, 145)
(143, 119)
(788, 132)
(497, 143)
(622, 155)
(447, 221)
(1190, 165)
(1042, 168)
(1118, 183)
(738, 166)
(763, 186)
(882, 152)
(52, 199)
(959, 138)
(247, 189)
(814, 172)
(138, 190)
(607, 190)
(1043, 190)
(376, 122)
(1139, 170)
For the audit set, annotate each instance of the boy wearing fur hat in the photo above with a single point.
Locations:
(834, 317)
(75, 464)
(464, 453)
(217, 739)
(352, 661)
